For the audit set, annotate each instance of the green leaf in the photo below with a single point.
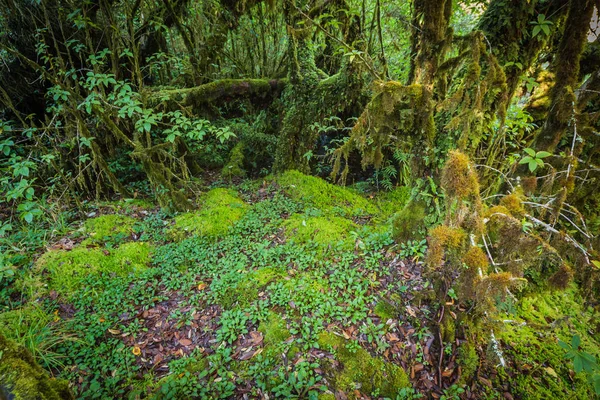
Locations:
(546, 29)
(529, 151)
(536, 30)
(575, 341)
(525, 160)
(542, 154)
(532, 165)
(564, 345)
(578, 364)
(28, 216)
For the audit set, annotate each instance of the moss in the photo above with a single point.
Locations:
(221, 208)
(325, 231)
(540, 370)
(390, 202)
(23, 379)
(246, 291)
(362, 371)
(66, 269)
(443, 242)
(106, 226)
(409, 223)
(274, 330)
(468, 360)
(326, 396)
(385, 310)
(325, 196)
(513, 203)
(235, 165)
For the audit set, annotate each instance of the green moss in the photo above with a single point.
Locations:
(235, 165)
(542, 372)
(390, 202)
(326, 396)
(448, 329)
(105, 226)
(325, 230)
(221, 208)
(362, 371)
(274, 330)
(468, 361)
(323, 195)
(409, 223)
(66, 269)
(385, 310)
(24, 379)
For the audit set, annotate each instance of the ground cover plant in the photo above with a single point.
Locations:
(349, 199)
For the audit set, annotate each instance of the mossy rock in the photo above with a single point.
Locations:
(220, 209)
(22, 379)
(104, 227)
(409, 224)
(361, 371)
(323, 230)
(325, 196)
(66, 269)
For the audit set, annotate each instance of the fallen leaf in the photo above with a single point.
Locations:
(115, 331)
(136, 350)
(185, 342)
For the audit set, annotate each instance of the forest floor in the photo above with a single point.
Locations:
(290, 288)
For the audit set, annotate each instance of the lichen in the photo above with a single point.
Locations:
(361, 371)
(325, 196)
(220, 209)
(23, 379)
(324, 230)
(66, 269)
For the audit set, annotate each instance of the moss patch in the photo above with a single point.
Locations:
(68, 268)
(541, 371)
(360, 371)
(221, 208)
(235, 165)
(391, 202)
(408, 224)
(385, 310)
(274, 330)
(24, 379)
(106, 226)
(323, 230)
(317, 192)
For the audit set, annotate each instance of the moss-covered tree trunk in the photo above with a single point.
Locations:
(566, 66)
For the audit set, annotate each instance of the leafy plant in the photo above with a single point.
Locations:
(582, 361)
(534, 160)
(542, 25)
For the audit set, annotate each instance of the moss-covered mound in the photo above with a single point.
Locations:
(107, 226)
(323, 230)
(317, 192)
(360, 370)
(22, 379)
(220, 209)
(538, 368)
(66, 269)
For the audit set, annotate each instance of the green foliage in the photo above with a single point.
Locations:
(582, 361)
(323, 230)
(534, 160)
